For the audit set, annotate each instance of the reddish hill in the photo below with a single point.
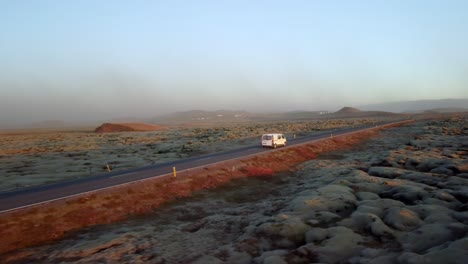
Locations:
(348, 110)
(351, 112)
(126, 127)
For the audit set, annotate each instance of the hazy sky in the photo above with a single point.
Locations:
(92, 60)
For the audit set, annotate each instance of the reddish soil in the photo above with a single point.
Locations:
(126, 127)
(40, 224)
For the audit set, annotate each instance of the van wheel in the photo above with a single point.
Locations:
(274, 146)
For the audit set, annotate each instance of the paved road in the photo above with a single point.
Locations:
(13, 200)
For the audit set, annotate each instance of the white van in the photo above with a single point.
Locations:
(273, 140)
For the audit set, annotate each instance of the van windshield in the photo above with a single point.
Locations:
(266, 137)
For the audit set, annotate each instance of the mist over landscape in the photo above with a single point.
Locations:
(88, 62)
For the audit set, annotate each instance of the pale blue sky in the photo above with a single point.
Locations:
(92, 60)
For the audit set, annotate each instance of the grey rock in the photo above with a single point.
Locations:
(370, 209)
(319, 217)
(208, 260)
(402, 219)
(367, 196)
(342, 244)
(442, 170)
(386, 172)
(239, 258)
(316, 235)
(275, 259)
(430, 235)
(266, 254)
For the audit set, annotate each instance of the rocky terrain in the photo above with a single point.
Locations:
(398, 198)
(30, 158)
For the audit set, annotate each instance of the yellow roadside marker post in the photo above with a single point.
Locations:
(174, 172)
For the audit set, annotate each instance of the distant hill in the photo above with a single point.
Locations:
(126, 127)
(419, 106)
(347, 110)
